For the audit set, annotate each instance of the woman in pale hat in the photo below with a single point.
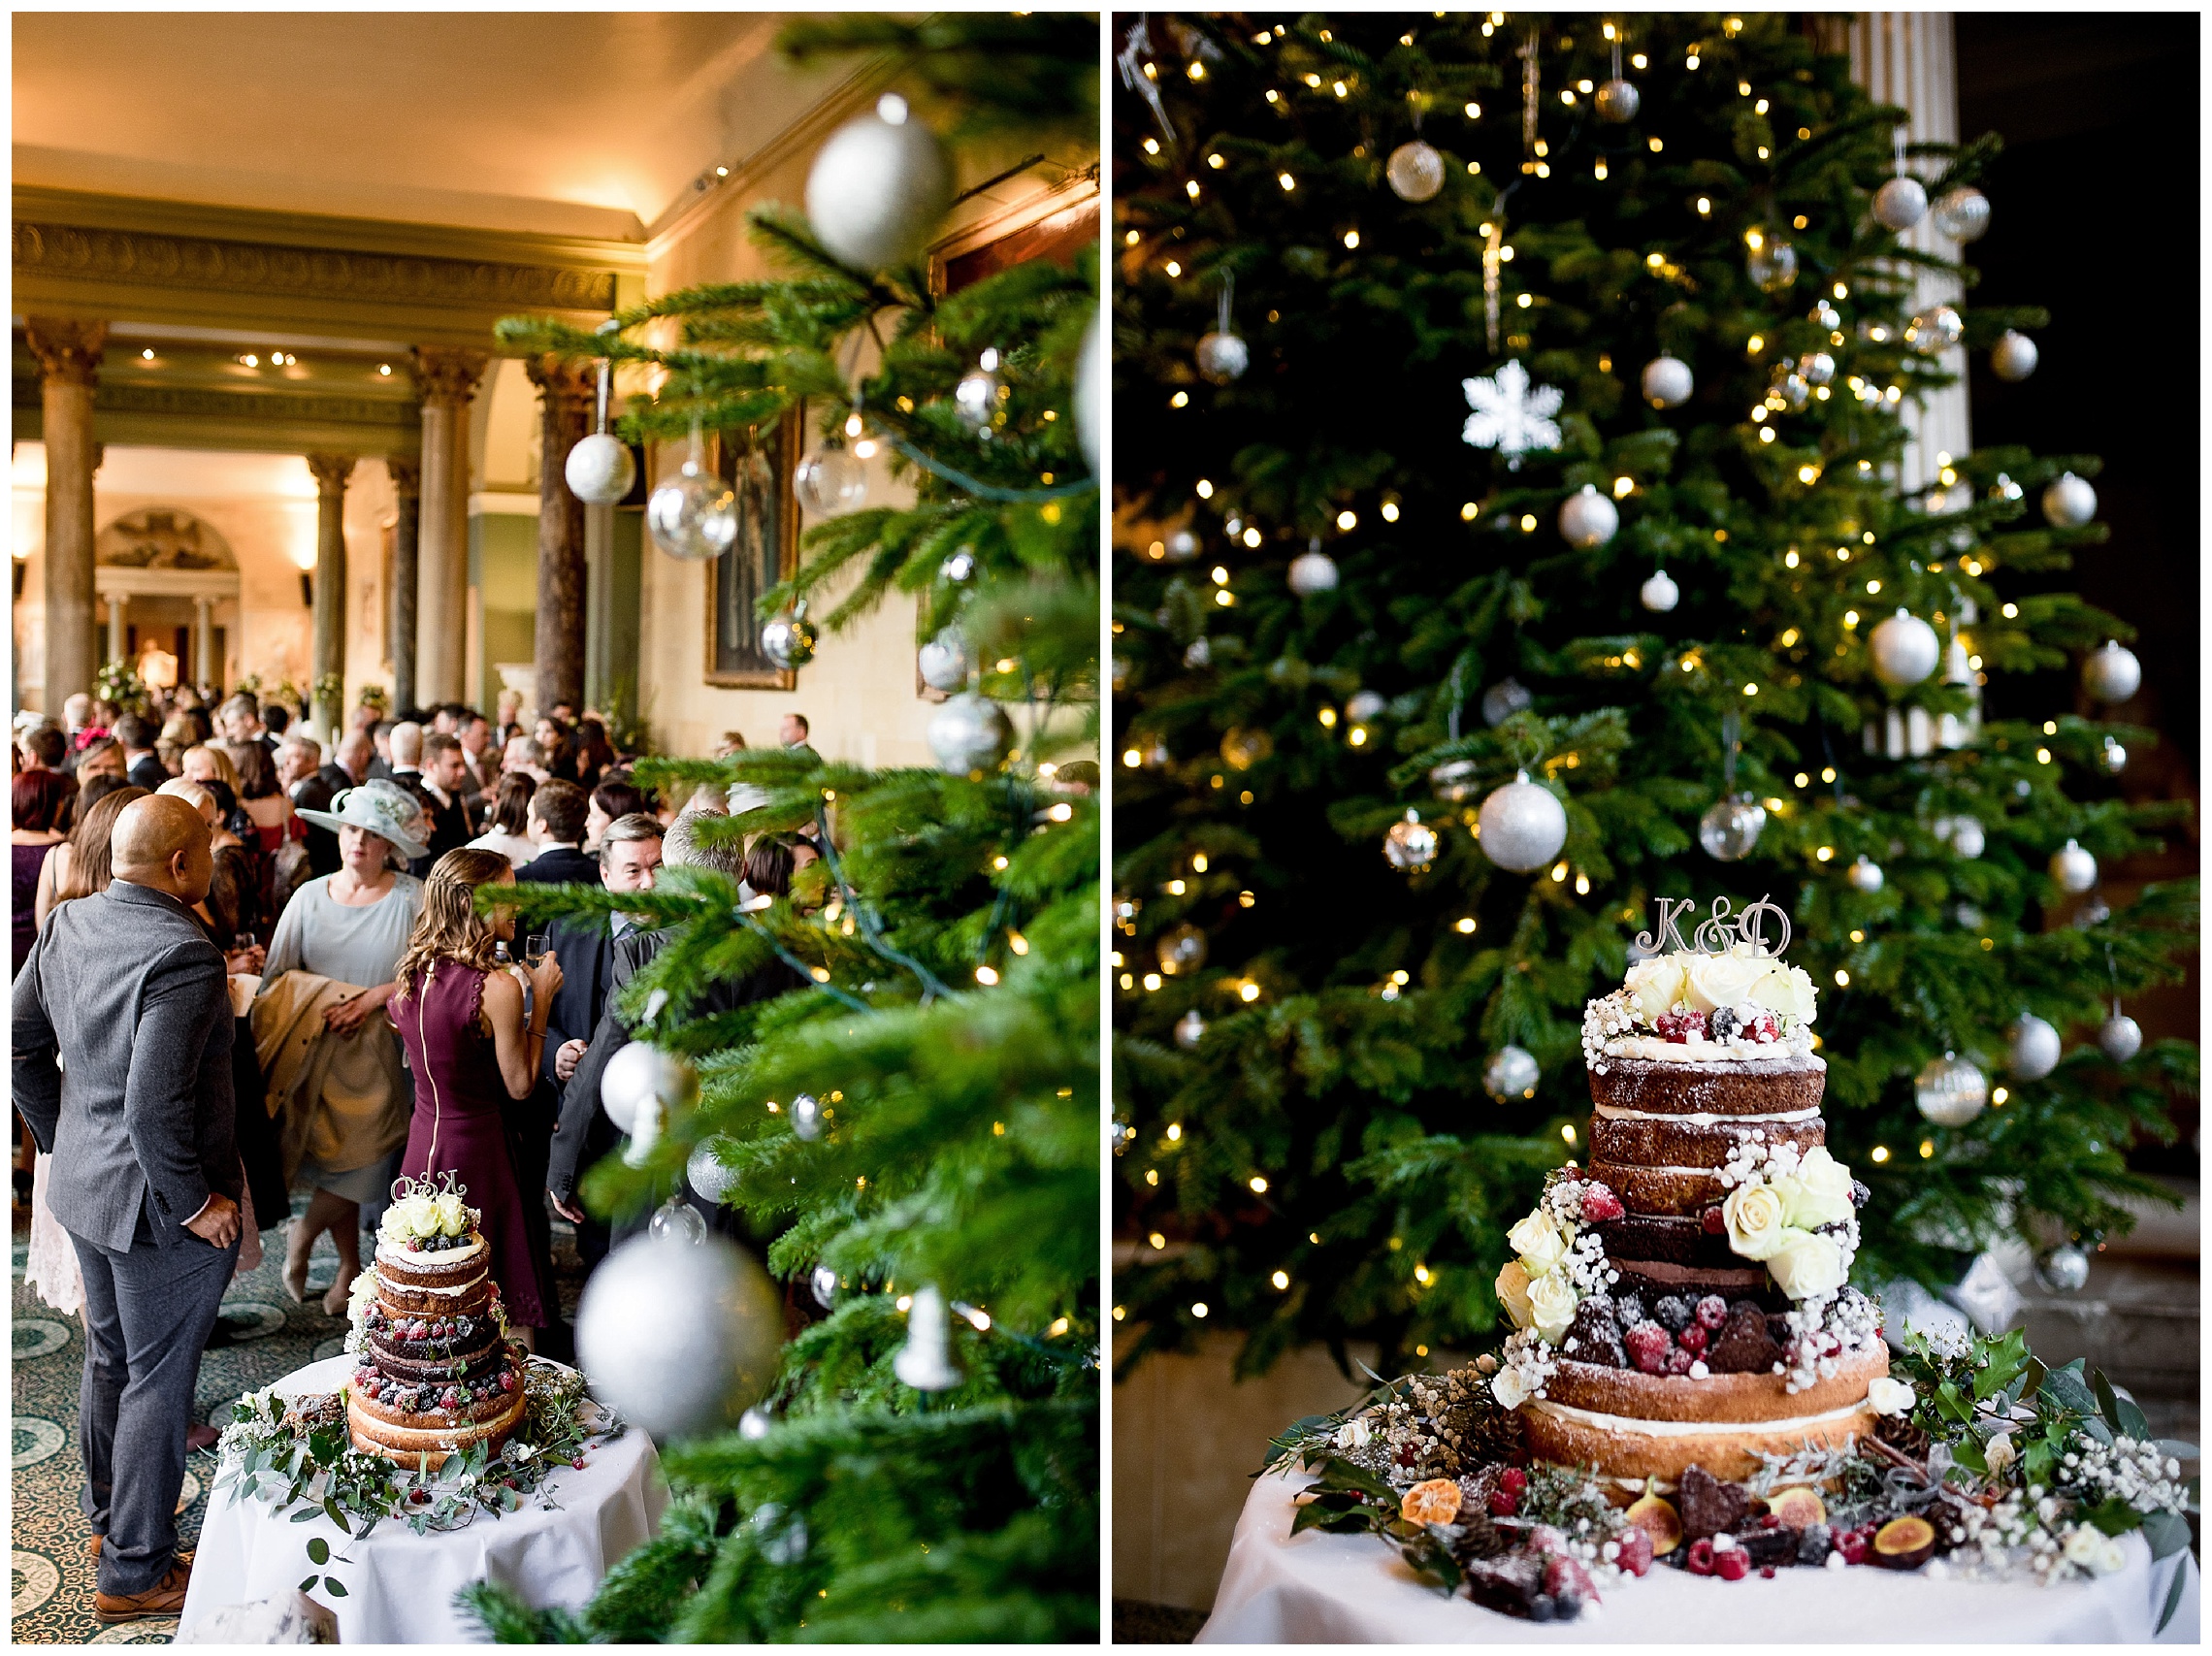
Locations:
(349, 928)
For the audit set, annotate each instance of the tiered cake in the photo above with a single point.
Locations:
(1684, 1302)
(435, 1372)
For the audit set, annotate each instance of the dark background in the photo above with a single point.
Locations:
(2095, 216)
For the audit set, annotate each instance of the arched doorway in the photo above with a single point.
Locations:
(168, 580)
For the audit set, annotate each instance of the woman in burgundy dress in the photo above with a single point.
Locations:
(474, 1030)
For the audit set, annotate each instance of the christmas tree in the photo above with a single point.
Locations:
(1502, 393)
(942, 1019)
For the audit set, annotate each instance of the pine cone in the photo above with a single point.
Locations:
(1478, 1536)
(1902, 1435)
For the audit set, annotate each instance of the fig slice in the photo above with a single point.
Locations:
(1904, 1543)
(1656, 1517)
(1436, 1501)
(1799, 1509)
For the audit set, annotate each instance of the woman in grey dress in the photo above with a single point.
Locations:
(352, 926)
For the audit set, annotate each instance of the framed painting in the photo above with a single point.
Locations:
(759, 467)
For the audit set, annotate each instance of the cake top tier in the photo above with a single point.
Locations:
(1729, 1001)
(427, 1216)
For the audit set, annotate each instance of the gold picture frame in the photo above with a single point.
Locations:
(733, 581)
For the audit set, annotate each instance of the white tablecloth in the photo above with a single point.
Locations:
(1354, 1589)
(399, 1586)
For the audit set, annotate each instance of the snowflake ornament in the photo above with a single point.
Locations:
(1510, 415)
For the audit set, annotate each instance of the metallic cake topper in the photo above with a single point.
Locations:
(1719, 934)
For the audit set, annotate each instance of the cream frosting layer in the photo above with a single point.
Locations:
(1686, 1428)
(448, 1259)
(1793, 1054)
(1703, 1117)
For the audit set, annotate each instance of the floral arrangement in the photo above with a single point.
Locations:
(1741, 1003)
(427, 1217)
(1986, 1464)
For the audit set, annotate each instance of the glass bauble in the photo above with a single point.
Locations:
(1313, 572)
(643, 1077)
(1453, 781)
(2034, 1052)
(1503, 699)
(829, 482)
(975, 399)
(823, 1284)
(878, 187)
(944, 664)
(1416, 171)
(806, 1117)
(1950, 1091)
(1587, 519)
(1523, 826)
(1731, 828)
(2073, 869)
(1511, 1073)
(706, 1170)
(677, 1218)
(2063, 1269)
(1817, 367)
(1617, 102)
(1905, 649)
(2112, 674)
(599, 470)
(693, 516)
(2119, 1036)
(787, 640)
(1936, 331)
(968, 734)
(1865, 876)
(2014, 356)
(1365, 707)
(1962, 214)
(1410, 845)
(1772, 264)
(1182, 545)
(679, 1375)
(1182, 950)
(1190, 1029)
(1223, 357)
(2115, 755)
(1659, 594)
(1667, 381)
(1090, 382)
(1900, 203)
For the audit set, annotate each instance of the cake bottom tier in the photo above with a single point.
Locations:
(379, 1430)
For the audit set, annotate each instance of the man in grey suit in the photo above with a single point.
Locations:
(122, 1068)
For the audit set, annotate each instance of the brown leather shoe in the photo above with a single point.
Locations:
(165, 1600)
(182, 1556)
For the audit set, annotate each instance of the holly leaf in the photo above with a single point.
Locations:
(2067, 1387)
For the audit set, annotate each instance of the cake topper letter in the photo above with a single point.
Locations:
(1719, 934)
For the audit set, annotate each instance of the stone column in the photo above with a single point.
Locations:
(68, 354)
(204, 669)
(447, 379)
(331, 471)
(118, 639)
(407, 489)
(568, 392)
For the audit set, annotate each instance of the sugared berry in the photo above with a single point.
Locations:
(1733, 1565)
(1636, 1550)
(1712, 1312)
(1685, 1024)
(1672, 1313)
(1724, 1023)
(1761, 1025)
(1514, 1480)
(1679, 1361)
(1766, 1571)
(1701, 1558)
(1599, 1204)
(1504, 1503)
(1693, 1338)
(1628, 1310)
(1647, 1347)
(1715, 1221)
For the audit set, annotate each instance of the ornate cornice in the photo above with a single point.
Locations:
(330, 472)
(448, 377)
(68, 351)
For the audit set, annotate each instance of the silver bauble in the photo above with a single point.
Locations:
(2068, 502)
(1818, 367)
(709, 1175)
(1795, 390)
(1950, 1091)
(1659, 594)
(1905, 649)
(975, 399)
(679, 1337)
(1825, 315)
(1223, 357)
(1411, 845)
(599, 470)
(806, 1120)
(1511, 1073)
(1416, 171)
(1966, 837)
(1200, 654)
(958, 566)
(1523, 826)
(1312, 572)
(1182, 950)
(1961, 215)
(1772, 265)
(1190, 1029)
(1453, 781)
(2034, 1049)
(1731, 828)
(1090, 381)
(1365, 705)
(787, 640)
(2115, 756)
(925, 1361)
(879, 187)
(2119, 1036)
(2112, 674)
(1967, 916)
(693, 515)
(823, 1284)
(1503, 699)
(2063, 1269)
(678, 1219)
(1667, 381)
(831, 480)
(2014, 356)
(1181, 545)
(1587, 518)
(943, 661)
(968, 734)
(1864, 875)
(1900, 204)
(1936, 331)
(2073, 869)
(1617, 102)
(642, 1080)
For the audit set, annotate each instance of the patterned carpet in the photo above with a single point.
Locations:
(265, 1337)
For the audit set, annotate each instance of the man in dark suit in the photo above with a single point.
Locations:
(630, 860)
(122, 1035)
(142, 764)
(558, 811)
(431, 767)
(315, 793)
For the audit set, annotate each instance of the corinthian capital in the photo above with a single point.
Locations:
(406, 477)
(563, 380)
(446, 376)
(68, 350)
(330, 471)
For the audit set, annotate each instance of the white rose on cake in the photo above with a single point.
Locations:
(1551, 1306)
(1787, 991)
(1655, 985)
(417, 1216)
(453, 1215)
(1817, 1193)
(1509, 1388)
(1808, 1263)
(1512, 1293)
(1753, 1213)
(1539, 1242)
(1722, 979)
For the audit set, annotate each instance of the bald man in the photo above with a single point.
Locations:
(122, 1068)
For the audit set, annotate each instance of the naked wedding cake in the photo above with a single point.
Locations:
(434, 1372)
(1683, 1300)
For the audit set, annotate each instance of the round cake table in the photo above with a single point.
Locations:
(399, 1586)
(1324, 1589)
